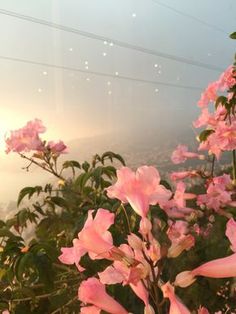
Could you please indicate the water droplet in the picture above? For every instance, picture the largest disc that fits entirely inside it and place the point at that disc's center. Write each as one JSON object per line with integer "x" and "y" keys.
{"x": 134, "y": 15}
{"x": 116, "y": 73}
{"x": 104, "y": 54}
{"x": 105, "y": 42}
{"x": 71, "y": 49}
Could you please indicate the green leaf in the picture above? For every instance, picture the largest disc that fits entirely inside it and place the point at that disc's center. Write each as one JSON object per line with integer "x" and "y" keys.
{"x": 4, "y": 232}
{"x": 111, "y": 156}
{"x": 233, "y": 35}
{"x": 59, "y": 201}
{"x": 85, "y": 166}
{"x": 204, "y": 135}
{"x": 29, "y": 190}
{"x": 221, "y": 100}
{"x": 71, "y": 164}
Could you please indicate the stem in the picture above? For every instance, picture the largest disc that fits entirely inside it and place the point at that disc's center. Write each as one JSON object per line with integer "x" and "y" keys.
{"x": 127, "y": 218}
{"x": 213, "y": 165}
{"x": 65, "y": 305}
{"x": 51, "y": 170}
{"x": 234, "y": 167}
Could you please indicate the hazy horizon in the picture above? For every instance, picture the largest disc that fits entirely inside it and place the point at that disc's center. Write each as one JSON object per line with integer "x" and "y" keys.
{"x": 83, "y": 88}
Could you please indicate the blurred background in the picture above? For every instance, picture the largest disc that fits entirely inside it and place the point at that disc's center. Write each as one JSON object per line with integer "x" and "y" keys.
{"x": 108, "y": 75}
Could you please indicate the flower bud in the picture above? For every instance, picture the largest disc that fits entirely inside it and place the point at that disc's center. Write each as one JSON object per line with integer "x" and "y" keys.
{"x": 135, "y": 242}
{"x": 184, "y": 279}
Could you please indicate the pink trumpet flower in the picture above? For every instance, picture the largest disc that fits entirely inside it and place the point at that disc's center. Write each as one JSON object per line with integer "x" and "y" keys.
{"x": 26, "y": 138}
{"x": 139, "y": 189}
{"x": 176, "y": 306}
{"x": 203, "y": 310}
{"x": 219, "y": 268}
{"x": 90, "y": 310}
{"x": 181, "y": 154}
{"x": 94, "y": 239}
{"x": 92, "y": 291}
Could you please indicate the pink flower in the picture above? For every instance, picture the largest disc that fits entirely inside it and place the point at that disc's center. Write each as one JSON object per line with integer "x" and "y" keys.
{"x": 57, "y": 148}
{"x": 90, "y": 310}
{"x": 202, "y": 310}
{"x": 217, "y": 195}
{"x": 231, "y": 233}
{"x": 26, "y": 138}
{"x": 180, "y": 239}
{"x": 180, "y": 196}
{"x": 205, "y": 119}
{"x": 218, "y": 268}
{"x": 183, "y": 175}
{"x": 94, "y": 238}
{"x": 176, "y": 207}
{"x": 140, "y": 189}
{"x": 226, "y": 135}
{"x": 181, "y": 154}
{"x": 227, "y": 79}
{"x": 72, "y": 255}
{"x": 92, "y": 291}
{"x": 209, "y": 95}
{"x": 176, "y": 306}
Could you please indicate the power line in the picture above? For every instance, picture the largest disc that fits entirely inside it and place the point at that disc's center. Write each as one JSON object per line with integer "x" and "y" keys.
{"x": 114, "y": 41}
{"x": 196, "y": 19}
{"x": 121, "y": 77}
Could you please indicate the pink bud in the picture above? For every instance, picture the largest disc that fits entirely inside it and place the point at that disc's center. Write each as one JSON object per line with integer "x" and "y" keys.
{"x": 93, "y": 291}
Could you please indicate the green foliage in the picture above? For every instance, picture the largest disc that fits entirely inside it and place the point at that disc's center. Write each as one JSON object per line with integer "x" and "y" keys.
{"x": 233, "y": 35}
{"x": 32, "y": 280}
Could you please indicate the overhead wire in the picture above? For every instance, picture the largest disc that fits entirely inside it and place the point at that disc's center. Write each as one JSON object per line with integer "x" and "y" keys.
{"x": 196, "y": 19}
{"x": 102, "y": 74}
{"x": 116, "y": 42}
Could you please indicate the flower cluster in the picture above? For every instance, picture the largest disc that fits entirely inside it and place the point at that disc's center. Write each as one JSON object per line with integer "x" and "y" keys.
{"x": 138, "y": 262}
{"x": 28, "y": 139}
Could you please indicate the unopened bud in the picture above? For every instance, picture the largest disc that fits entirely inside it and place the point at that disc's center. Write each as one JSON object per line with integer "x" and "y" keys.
{"x": 184, "y": 279}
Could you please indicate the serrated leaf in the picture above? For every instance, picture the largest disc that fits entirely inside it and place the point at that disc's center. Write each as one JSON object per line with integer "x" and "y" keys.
{"x": 29, "y": 190}
{"x": 110, "y": 155}
{"x": 59, "y": 201}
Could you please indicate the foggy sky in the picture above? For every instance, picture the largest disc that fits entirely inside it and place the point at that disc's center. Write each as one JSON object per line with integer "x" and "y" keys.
{"x": 75, "y": 105}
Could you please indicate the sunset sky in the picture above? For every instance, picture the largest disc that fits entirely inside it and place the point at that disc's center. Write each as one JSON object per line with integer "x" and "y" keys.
{"x": 76, "y": 104}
